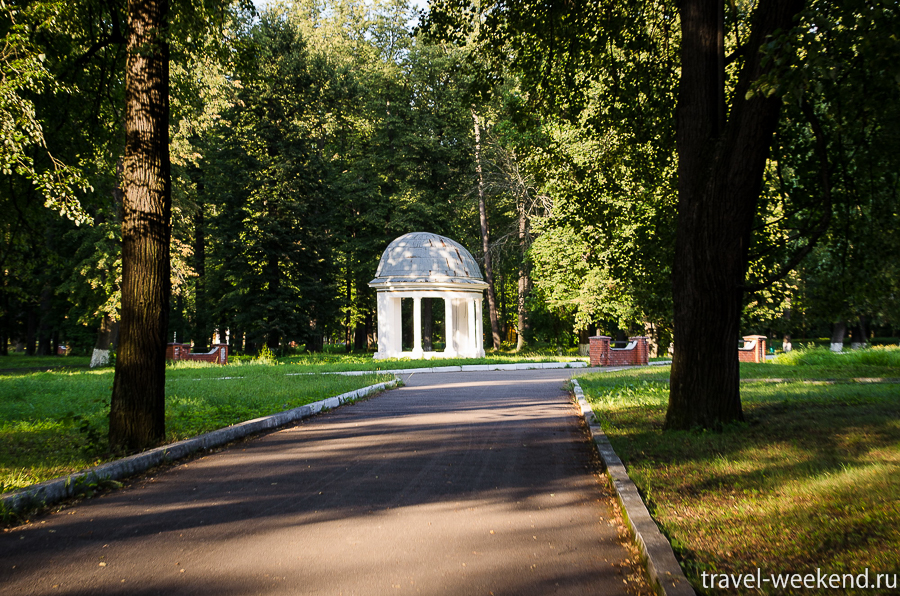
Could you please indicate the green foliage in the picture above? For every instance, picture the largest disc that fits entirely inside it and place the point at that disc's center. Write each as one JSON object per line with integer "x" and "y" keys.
{"x": 600, "y": 155}
{"x": 24, "y": 74}
{"x": 834, "y": 162}
{"x": 265, "y": 356}
{"x": 94, "y": 437}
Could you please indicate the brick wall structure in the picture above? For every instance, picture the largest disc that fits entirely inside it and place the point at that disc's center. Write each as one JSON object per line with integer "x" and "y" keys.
{"x": 218, "y": 354}
{"x": 754, "y": 349}
{"x": 636, "y": 354}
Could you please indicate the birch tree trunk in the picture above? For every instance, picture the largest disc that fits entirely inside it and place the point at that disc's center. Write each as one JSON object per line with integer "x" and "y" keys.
{"x": 524, "y": 278}
{"x": 485, "y": 239}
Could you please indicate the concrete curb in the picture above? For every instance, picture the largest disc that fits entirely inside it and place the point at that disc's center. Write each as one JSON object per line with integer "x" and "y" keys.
{"x": 665, "y": 573}
{"x": 55, "y": 490}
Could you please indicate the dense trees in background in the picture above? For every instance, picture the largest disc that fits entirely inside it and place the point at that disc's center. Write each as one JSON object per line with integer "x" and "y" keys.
{"x": 758, "y": 123}
{"x": 606, "y": 142}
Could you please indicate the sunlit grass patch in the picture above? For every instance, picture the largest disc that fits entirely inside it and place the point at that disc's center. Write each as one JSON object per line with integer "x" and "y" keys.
{"x": 810, "y": 480}
{"x": 55, "y": 423}
{"x": 875, "y": 356}
{"x": 196, "y": 405}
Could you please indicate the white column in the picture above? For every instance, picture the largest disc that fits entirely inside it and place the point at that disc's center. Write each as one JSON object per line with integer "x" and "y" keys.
{"x": 449, "y": 327}
{"x": 417, "y": 327}
{"x": 383, "y": 322}
{"x": 396, "y": 341}
{"x": 479, "y": 328}
{"x": 471, "y": 350}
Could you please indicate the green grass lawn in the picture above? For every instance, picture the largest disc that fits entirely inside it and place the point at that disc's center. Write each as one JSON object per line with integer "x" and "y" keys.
{"x": 810, "y": 480}
{"x": 19, "y": 360}
{"x": 54, "y": 423}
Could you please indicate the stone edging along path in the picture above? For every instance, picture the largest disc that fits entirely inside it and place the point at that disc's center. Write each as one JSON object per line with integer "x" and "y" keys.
{"x": 665, "y": 572}
{"x": 53, "y": 491}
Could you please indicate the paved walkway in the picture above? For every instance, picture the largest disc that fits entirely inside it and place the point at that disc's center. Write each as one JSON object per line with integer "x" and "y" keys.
{"x": 456, "y": 484}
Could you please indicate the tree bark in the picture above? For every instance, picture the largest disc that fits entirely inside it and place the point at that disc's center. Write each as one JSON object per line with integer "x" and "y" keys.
{"x": 720, "y": 168}
{"x": 524, "y": 285}
{"x": 858, "y": 334}
{"x": 201, "y": 332}
{"x": 137, "y": 410}
{"x": 106, "y": 339}
{"x": 348, "y": 340}
{"x": 838, "y": 331}
{"x": 485, "y": 240}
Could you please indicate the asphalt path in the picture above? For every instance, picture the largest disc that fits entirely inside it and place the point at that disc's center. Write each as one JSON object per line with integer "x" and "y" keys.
{"x": 455, "y": 484}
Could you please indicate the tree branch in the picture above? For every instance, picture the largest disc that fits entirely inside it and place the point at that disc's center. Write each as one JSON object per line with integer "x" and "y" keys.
{"x": 825, "y": 220}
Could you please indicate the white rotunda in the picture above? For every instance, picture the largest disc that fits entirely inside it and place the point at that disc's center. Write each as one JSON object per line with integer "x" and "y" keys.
{"x": 422, "y": 265}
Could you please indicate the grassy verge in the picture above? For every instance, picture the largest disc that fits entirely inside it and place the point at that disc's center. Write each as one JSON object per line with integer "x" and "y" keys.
{"x": 55, "y": 423}
{"x": 16, "y": 360}
{"x": 810, "y": 481}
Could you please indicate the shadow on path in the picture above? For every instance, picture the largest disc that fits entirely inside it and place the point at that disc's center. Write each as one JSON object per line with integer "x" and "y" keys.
{"x": 476, "y": 483}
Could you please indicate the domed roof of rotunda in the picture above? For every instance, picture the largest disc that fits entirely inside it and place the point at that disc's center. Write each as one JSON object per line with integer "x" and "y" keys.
{"x": 422, "y": 257}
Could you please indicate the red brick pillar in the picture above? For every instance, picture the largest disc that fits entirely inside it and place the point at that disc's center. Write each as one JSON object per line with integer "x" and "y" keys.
{"x": 759, "y": 353}
{"x": 176, "y": 351}
{"x": 641, "y": 350}
{"x": 221, "y": 353}
{"x": 599, "y": 350}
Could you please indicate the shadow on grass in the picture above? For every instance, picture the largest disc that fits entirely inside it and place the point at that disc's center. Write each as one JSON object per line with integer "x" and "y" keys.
{"x": 811, "y": 480}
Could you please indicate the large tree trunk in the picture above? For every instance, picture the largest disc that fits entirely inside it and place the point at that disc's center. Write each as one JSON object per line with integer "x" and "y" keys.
{"x": 720, "y": 167}
{"x": 137, "y": 411}
{"x": 485, "y": 240}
